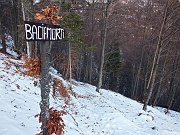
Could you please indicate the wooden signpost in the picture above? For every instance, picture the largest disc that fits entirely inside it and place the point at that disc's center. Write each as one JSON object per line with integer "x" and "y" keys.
{"x": 44, "y": 33}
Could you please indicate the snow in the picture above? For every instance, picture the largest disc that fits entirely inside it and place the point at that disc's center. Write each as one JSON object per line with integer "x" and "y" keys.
{"x": 89, "y": 113}
{"x": 9, "y": 45}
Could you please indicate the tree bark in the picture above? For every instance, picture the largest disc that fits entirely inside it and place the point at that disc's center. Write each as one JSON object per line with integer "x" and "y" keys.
{"x": 45, "y": 77}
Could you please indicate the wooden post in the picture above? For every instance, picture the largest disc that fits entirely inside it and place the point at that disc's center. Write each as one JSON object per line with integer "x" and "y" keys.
{"x": 45, "y": 77}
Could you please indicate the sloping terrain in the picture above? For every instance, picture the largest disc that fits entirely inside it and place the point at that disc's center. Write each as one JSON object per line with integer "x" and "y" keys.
{"x": 88, "y": 112}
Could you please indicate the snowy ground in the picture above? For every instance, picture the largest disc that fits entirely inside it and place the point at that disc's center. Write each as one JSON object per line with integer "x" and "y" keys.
{"x": 89, "y": 113}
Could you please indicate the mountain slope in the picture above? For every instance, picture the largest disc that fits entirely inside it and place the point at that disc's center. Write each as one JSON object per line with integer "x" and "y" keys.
{"x": 87, "y": 114}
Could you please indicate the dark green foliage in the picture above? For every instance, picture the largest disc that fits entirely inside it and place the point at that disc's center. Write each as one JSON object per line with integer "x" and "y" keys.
{"x": 113, "y": 63}
{"x": 66, "y": 7}
{"x": 74, "y": 27}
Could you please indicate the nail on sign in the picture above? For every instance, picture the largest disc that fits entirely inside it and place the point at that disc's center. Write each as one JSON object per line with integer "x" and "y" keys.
{"x": 43, "y": 32}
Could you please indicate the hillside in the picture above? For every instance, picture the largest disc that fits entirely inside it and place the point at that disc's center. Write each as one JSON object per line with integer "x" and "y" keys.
{"x": 89, "y": 113}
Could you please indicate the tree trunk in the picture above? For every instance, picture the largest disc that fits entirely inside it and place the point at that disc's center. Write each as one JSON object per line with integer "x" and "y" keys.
{"x": 145, "y": 81}
{"x": 172, "y": 90}
{"x": 24, "y": 19}
{"x": 157, "y": 54}
{"x": 2, "y": 37}
{"x": 102, "y": 54}
{"x": 160, "y": 83}
{"x": 107, "y": 11}
{"x": 92, "y": 42}
{"x": 45, "y": 77}
{"x": 27, "y": 10}
{"x": 70, "y": 66}
{"x": 136, "y": 87}
{"x": 17, "y": 25}
{"x": 68, "y": 74}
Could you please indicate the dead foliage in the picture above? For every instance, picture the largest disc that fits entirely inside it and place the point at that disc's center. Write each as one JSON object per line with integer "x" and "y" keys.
{"x": 49, "y": 13}
{"x": 59, "y": 88}
{"x": 32, "y": 65}
{"x": 55, "y": 124}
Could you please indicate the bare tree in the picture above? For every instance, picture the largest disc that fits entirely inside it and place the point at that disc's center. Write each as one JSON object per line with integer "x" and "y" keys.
{"x": 157, "y": 55}
{"x": 107, "y": 9}
{"x": 103, "y": 44}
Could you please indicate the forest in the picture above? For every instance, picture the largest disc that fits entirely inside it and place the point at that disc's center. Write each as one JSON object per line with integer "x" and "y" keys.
{"x": 131, "y": 47}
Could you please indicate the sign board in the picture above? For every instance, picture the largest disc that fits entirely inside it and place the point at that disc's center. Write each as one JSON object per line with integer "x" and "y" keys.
{"x": 43, "y": 32}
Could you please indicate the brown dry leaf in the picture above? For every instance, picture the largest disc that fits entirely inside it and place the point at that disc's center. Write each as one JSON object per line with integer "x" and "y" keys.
{"x": 55, "y": 9}
{"x": 37, "y": 115}
{"x": 47, "y": 11}
{"x": 35, "y": 83}
{"x": 53, "y": 21}
{"x": 39, "y": 16}
{"x": 58, "y": 132}
{"x": 39, "y": 134}
{"x": 13, "y": 90}
{"x": 58, "y": 17}
{"x": 17, "y": 85}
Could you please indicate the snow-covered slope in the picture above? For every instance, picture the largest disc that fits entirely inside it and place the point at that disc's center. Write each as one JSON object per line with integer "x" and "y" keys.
{"x": 89, "y": 113}
{"x": 19, "y": 99}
